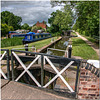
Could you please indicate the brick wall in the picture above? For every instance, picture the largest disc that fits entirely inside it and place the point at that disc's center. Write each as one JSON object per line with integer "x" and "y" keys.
{"x": 43, "y": 25}
{"x": 88, "y": 87}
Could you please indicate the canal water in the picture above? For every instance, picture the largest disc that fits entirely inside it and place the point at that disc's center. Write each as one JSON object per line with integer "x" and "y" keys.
{"x": 60, "y": 45}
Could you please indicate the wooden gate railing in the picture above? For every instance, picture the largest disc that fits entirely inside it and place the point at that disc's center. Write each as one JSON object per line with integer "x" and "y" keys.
{"x": 5, "y": 54}
{"x": 45, "y": 59}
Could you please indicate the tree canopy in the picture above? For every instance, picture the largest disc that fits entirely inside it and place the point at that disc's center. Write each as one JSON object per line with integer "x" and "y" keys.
{"x": 86, "y": 15}
{"x": 5, "y": 29}
{"x": 61, "y": 20}
{"x": 87, "y": 22}
{"x": 25, "y": 26}
{"x": 11, "y": 20}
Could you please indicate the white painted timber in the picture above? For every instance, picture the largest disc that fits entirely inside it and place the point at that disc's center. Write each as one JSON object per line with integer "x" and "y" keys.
{"x": 2, "y": 56}
{"x": 94, "y": 62}
{"x": 26, "y": 69}
{"x": 1, "y": 72}
{"x": 59, "y": 74}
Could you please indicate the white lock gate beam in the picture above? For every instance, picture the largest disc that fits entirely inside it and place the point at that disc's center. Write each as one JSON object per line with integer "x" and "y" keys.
{"x": 2, "y": 56}
{"x": 59, "y": 74}
{"x": 1, "y": 72}
{"x": 26, "y": 69}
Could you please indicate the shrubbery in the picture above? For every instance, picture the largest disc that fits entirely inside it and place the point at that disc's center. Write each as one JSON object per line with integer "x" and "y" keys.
{"x": 5, "y": 29}
{"x": 11, "y": 42}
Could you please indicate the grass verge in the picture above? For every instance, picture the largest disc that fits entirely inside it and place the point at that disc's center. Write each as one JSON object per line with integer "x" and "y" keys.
{"x": 82, "y": 49}
{"x": 37, "y": 44}
{"x": 11, "y": 42}
{"x": 73, "y": 33}
{"x": 91, "y": 39}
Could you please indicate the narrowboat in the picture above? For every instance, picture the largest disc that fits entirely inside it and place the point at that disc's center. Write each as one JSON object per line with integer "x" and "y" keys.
{"x": 15, "y": 34}
{"x": 31, "y": 37}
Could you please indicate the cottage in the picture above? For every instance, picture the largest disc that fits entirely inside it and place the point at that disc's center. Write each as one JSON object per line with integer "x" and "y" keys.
{"x": 43, "y": 25}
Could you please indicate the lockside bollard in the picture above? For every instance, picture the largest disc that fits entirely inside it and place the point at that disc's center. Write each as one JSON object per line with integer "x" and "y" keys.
{"x": 69, "y": 51}
{"x": 77, "y": 78}
{"x": 26, "y": 48}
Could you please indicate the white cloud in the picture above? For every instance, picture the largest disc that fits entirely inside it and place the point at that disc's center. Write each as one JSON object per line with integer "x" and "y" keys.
{"x": 30, "y": 11}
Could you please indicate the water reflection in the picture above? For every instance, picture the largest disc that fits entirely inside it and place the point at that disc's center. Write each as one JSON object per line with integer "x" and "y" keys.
{"x": 66, "y": 43}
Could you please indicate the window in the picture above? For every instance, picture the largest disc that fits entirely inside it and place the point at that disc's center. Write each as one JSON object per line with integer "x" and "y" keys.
{"x": 28, "y": 37}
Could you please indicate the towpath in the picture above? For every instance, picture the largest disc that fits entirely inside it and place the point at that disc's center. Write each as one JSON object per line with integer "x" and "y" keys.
{"x": 89, "y": 43}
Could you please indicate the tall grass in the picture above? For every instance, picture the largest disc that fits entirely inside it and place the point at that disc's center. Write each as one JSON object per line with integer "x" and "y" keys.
{"x": 11, "y": 42}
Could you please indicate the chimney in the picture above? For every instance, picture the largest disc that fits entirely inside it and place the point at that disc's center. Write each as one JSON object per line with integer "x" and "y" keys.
{"x": 43, "y": 22}
{"x": 37, "y": 22}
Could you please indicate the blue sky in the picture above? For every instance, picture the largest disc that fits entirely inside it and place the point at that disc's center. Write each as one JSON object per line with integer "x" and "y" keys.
{"x": 30, "y": 11}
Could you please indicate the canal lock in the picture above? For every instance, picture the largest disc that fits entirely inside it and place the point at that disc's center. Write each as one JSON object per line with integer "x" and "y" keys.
{"x": 48, "y": 75}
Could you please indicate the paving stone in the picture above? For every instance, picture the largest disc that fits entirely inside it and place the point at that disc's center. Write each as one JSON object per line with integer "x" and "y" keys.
{"x": 3, "y": 82}
{"x": 15, "y": 90}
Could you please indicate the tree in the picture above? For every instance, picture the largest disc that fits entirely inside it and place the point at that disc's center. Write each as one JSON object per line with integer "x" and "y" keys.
{"x": 11, "y": 20}
{"x": 25, "y": 26}
{"x": 5, "y": 17}
{"x": 5, "y": 29}
{"x": 88, "y": 18}
{"x": 61, "y": 20}
{"x": 86, "y": 13}
{"x": 18, "y": 21}
{"x": 29, "y": 28}
{"x": 35, "y": 28}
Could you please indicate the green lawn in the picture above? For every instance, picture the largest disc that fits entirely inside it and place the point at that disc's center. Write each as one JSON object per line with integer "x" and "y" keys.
{"x": 80, "y": 48}
{"x": 37, "y": 44}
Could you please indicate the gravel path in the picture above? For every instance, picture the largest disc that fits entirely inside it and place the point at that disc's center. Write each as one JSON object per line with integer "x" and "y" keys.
{"x": 89, "y": 43}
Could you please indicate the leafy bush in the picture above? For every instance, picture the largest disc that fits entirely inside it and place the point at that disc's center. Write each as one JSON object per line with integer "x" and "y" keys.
{"x": 35, "y": 28}
{"x": 5, "y": 29}
{"x": 11, "y": 42}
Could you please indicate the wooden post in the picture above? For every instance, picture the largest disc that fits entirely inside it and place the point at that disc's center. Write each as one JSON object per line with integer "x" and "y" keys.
{"x": 12, "y": 66}
{"x": 8, "y": 65}
{"x": 42, "y": 70}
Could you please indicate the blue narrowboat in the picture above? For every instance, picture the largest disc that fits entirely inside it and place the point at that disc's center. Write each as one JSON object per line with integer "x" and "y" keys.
{"x": 18, "y": 35}
{"x": 31, "y": 37}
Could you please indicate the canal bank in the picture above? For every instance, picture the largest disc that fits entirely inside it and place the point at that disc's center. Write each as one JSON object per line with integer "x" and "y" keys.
{"x": 43, "y": 49}
{"x": 57, "y": 48}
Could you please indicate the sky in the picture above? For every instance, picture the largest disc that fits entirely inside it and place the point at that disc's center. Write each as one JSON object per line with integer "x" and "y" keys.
{"x": 30, "y": 11}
